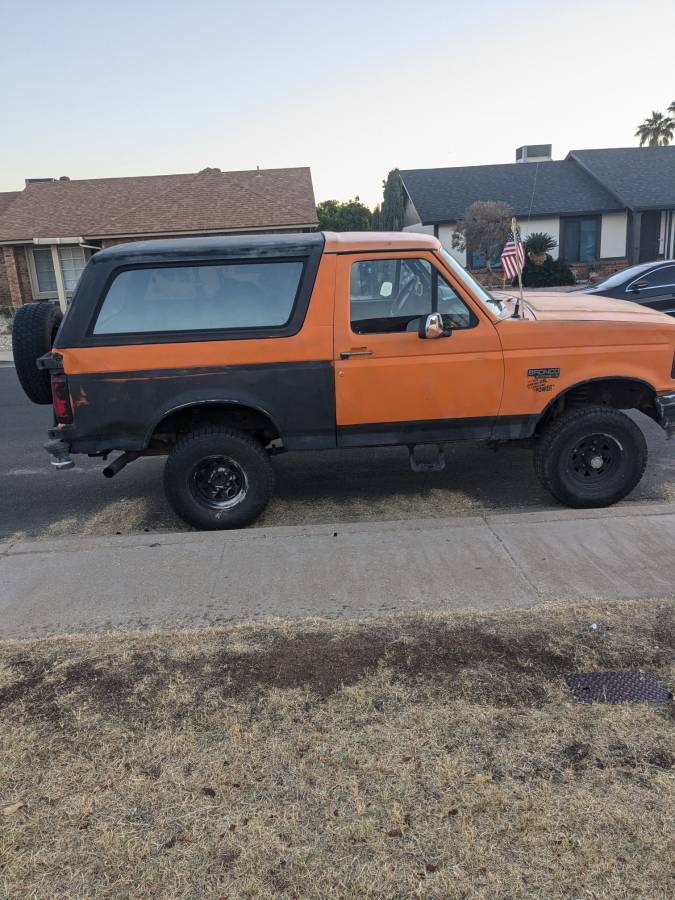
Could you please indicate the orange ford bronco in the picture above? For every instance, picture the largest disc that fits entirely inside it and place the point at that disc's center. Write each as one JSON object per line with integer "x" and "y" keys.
{"x": 219, "y": 351}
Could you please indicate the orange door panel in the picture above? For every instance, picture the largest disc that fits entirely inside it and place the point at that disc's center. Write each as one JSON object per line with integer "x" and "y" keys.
{"x": 404, "y": 389}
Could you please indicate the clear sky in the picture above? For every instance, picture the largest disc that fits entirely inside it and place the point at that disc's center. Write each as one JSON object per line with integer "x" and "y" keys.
{"x": 352, "y": 89}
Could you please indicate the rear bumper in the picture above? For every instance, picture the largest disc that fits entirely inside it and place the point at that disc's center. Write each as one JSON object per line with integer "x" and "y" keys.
{"x": 665, "y": 409}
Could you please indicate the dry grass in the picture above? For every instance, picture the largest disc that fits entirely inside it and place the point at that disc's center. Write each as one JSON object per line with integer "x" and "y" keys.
{"x": 437, "y": 756}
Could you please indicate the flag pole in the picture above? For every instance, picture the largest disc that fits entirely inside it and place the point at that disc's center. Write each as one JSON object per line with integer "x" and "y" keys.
{"x": 516, "y": 242}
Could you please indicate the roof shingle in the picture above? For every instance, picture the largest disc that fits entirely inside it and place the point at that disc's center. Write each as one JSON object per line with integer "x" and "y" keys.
{"x": 161, "y": 204}
{"x": 557, "y": 187}
{"x": 641, "y": 177}
{"x": 6, "y": 198}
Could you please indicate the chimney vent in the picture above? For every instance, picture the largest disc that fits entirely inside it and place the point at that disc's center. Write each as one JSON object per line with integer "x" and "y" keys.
{"x": 37, "y": 180}
{"x": 534, "y": 153}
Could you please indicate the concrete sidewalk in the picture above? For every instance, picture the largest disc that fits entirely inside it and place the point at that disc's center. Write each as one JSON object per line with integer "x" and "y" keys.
{"x": 6, "y": 358}
{"x": 194, "y": 579}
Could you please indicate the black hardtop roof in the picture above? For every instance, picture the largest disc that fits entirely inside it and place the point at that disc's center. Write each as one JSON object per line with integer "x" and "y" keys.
{"x": 221, "y": 246}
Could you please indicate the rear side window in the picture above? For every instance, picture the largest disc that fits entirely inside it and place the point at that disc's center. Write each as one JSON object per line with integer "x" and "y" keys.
{"x": 200, "y": 298}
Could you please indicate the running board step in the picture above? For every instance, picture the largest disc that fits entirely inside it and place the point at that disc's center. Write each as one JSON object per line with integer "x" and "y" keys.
{"x": 427, "y": 458}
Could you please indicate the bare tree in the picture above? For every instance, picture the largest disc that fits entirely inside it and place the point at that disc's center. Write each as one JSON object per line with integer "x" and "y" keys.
{"x": 484, "y": 229}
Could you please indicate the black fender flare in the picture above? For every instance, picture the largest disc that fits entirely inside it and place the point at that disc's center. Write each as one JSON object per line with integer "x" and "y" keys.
{"x": 190, "y": 404}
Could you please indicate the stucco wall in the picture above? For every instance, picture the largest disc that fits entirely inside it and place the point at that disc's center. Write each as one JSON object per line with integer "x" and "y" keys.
{"x": 613, "y": 235}
{"x": 549, "y": 225}
{"x": 444, "y": 236}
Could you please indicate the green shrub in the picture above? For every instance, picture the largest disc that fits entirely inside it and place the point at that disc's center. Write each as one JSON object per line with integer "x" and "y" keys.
{"x": 540, "y": 242}
{"x": 552, "y": 273}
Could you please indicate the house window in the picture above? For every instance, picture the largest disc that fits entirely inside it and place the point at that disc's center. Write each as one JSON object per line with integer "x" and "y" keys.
{"x": 580, "y": 239}
{"x": 71, "y": 261}
{"x": 45, "y": 276}
{"x": 477, "y": 260}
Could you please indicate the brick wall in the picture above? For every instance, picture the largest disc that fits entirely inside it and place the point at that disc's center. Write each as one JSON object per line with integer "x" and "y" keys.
{"x": 24, "y": 277}
{"x": 583, "y": 271}
{"x": 5, "y": 296}
{"x": 14, "y": 267}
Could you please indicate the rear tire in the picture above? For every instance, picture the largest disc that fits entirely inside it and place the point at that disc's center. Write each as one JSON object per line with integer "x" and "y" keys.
{"x": 218, "y": 478}
{"x": 590, "y": 456}
{"x": 33, "y": 332}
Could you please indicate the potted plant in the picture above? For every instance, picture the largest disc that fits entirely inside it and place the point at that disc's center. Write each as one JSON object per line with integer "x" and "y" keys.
{"x": 538, "y": 246}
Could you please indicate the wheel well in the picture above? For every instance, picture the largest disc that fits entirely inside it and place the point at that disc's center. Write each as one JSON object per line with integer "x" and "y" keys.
{"x": 181, "y": 421}
{"x": 619, "y": 393}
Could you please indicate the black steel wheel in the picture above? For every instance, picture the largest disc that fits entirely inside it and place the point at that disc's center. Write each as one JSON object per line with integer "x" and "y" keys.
{"x": 218, "y": 478}
{"x": 591, "y": 456}
{"x": 219, "y": 482}
{"x": 594, "y": 459}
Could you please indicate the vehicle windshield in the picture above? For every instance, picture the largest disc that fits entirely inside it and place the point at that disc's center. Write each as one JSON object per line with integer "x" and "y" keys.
{"x": 496, "y": 307}
{"x": 618, "y": 278}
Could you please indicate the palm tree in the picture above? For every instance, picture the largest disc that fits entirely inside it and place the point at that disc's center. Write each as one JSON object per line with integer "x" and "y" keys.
{"x": 671, "y": 108}
{"x": 656, "y": 131}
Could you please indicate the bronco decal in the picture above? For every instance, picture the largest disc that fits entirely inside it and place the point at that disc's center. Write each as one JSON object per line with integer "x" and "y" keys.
{"x": 539, "y": 379}
{"x": 543, "y": 373}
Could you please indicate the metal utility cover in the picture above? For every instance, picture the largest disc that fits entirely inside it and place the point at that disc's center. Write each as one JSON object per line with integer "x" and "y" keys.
{"x": 617, "y": 687}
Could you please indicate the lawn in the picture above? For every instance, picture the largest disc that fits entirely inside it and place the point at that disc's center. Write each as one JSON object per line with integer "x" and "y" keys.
{"x": 434, "y": 756}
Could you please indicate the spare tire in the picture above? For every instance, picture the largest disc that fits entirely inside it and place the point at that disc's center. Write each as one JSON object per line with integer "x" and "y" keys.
{"x": 33, "y": 332}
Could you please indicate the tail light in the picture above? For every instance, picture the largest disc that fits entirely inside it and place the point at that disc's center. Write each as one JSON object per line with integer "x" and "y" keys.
{"x": 61, "y": 399}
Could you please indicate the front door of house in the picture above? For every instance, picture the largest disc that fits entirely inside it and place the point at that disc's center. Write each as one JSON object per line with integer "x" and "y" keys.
{"x": 650, "y": 225}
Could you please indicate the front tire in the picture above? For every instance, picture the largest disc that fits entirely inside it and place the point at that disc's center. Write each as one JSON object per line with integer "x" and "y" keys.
{"x": 218, "y": 478}
{"x": 590, "y": 456}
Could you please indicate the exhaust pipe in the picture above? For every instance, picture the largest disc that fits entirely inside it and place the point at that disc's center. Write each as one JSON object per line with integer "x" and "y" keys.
{"x": 118, "y": 464}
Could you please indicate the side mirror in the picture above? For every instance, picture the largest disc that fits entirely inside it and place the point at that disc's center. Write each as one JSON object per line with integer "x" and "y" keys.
{"x": 435, "y": 325}
{"x": 639, "y": 285}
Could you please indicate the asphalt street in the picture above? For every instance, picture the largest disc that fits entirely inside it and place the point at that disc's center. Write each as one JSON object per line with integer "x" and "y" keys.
{"x": 312, "y": 488}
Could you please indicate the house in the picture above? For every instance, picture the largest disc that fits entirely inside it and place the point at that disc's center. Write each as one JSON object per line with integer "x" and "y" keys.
{"x": 605, "y": 208}
{"x": 50, "y": 228}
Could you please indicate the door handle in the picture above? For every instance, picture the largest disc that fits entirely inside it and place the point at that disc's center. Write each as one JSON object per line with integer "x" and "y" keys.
{"x": 347, "y": 354}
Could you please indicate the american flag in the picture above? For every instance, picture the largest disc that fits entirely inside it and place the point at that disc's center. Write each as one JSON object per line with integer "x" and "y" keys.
{"x": 513, "y": 255}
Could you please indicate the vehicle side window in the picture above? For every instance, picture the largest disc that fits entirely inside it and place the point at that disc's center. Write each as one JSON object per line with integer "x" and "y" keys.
{"x": 660, "y": 277}
{"x": 200, "y": 298}
{"x": 392, "y": 295}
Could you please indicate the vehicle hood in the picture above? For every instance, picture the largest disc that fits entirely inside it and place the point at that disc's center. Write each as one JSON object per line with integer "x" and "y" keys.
{"x": 580, "y": 307}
